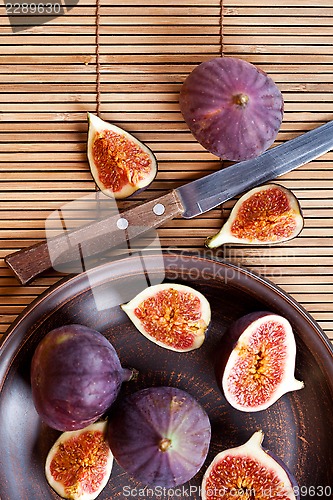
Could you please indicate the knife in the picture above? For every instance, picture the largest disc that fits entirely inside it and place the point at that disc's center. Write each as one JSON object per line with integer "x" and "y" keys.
{"x": 189, "y": 200}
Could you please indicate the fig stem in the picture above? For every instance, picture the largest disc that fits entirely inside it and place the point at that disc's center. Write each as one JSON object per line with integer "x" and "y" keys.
{"x": 216, "y": 240}
{"x": 240, "y": 99}
{"x": 297, "y": 384}
{"x": 164, "y": 444}
{"x": 256, "y": 439}
{"x": 129, "y": 374}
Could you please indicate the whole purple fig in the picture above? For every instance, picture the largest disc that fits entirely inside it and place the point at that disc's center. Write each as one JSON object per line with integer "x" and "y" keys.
{"x": 75, "y": 376}
{"x": 232, "y": 108}
{"x": 160, "y": 436}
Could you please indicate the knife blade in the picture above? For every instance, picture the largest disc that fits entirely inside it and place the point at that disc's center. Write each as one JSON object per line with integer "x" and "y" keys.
{"x": 202, "y": 195}
{"x": 190, "y": 200}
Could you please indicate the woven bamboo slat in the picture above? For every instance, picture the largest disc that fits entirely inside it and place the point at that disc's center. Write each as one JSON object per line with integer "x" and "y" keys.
{"x": 147, "y": 48}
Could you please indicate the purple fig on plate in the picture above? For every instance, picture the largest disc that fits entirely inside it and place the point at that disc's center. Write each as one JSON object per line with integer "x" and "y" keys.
{"x": 246, "y": 472}
{"x": 264, "y": 215}
{"x": 256, "y": 364}
{"x": 79, "y": 464}
{"x": 171, "y": 315}
{"x": 160, "y": 436}
{"x": 75, "y": 376}
{"x": 232, "y": 108}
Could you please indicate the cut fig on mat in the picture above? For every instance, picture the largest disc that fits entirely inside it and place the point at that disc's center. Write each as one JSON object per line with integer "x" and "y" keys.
{"x": 265, "y": 215}
{"x": 248, "y": 472}
{"x": 160, "y": 436}
{"x": 256, "y": 364}
{"x": 79, "y": 464}
{"x": 120, "y": 164}
{"x": 232, "y": 108}
{"x": 171, "y": 315}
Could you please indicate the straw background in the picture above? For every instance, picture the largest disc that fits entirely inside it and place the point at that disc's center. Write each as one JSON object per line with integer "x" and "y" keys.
{"x": 48, "y": 77}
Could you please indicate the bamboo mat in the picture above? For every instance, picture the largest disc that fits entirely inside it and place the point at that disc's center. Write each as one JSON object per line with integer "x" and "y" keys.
{"x": 48, "y": 77}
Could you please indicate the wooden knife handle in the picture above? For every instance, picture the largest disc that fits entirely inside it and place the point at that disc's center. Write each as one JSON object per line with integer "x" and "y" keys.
{"x": 103, "y": 234}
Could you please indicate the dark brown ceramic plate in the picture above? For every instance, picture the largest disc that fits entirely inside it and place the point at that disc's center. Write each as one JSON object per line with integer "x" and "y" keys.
{"x": 298, "y": 428}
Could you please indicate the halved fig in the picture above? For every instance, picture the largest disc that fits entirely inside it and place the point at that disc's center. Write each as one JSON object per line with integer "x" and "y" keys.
{"x": 257, "y": 361}
{"x": 79, "y": 464}
{"x": 171, "y": 315}
{"x": 265, "y": 215}
{"x": 232, "y": 108}
{"x": 120, "y": 164}
{"x": 160, "y": 436}
{"x": 248, "y": 471}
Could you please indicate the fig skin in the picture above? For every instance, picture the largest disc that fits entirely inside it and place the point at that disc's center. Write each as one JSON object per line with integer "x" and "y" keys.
{"x": 271, "y": 477}
{"x": 160, "y": 436}
{"x": 232, "y": 108}
{"x": 169, "y": 338}
{"x": 75, "y": 376}
{"x": 275, "y": 224}
{"x": 131, "y": 185}
{"x": 233, "y": 349}
{"x": 70, "y": 469}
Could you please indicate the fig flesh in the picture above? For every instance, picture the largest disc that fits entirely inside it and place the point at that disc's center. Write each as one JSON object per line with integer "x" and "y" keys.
{"x": 171, "y": 315}
{"x": 265, "y": 215}
{"x": 79, "y": 464}
{"x": 256, "y": 364}
{"x": 246, "y": 472}
{"x": 160, "y": 436}
{"x": 232, "y": 108}
{"x": 75, "y": 376}
{"x": 120, "y": 164}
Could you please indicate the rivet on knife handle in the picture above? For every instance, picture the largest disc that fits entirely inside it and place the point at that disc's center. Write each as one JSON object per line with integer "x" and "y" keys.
{"x": 102, "y": 235}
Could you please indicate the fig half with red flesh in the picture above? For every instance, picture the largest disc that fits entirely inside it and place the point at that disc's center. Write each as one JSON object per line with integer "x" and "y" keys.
{"x": 160, "y": 436}
{"x": 79, "y": 464}
{"x": 120, "y": 164}
{"x": 171, "y": 315}
{"x": 248, "y": 472}
{"x": 232, "y": 108}
{"x": 265, "y": 215}
{"x": 256, "y": 364}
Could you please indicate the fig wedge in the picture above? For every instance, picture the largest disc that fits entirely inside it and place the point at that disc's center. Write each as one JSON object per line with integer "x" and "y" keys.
{"x": 265, "y": 215}
{"x": 249, "y": 471}
{"x": 256, "y": 364}
{"x": 79, "y": 464}
{"x": 120, "y": 164}
{"x": 171, "y": 315}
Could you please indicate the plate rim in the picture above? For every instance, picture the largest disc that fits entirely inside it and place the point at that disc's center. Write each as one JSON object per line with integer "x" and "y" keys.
{"x": 80, "y": 279}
